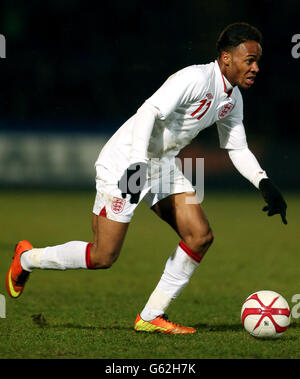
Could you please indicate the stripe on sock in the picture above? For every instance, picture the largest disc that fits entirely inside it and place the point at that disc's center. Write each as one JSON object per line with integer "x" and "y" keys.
{"x": 87, "y": 256}
{"x": 196, "y": 257}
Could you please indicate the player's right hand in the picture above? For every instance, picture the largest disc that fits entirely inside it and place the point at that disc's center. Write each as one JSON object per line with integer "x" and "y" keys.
{"x": 275, "y": 201}
{"x": 133, "y": 180}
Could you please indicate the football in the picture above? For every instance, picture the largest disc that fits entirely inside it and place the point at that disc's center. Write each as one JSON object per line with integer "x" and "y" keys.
{"x": 265, "y": 314}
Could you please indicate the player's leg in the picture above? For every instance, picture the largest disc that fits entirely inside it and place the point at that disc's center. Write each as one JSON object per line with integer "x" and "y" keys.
{"x": 108, "y": 239}
{"x": 109, "y": 236}
{"x": 184, "y": 213}
{"x": 188, "y": 219}
{"x": 111, "y": 217}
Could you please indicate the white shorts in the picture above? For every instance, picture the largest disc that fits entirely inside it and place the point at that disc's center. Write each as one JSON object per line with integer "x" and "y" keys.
{"x": 109, "y": 202}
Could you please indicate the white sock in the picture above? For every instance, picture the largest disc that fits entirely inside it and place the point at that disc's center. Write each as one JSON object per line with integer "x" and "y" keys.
{"x": 71, "y": 255}
{"x": 178, "y": 270}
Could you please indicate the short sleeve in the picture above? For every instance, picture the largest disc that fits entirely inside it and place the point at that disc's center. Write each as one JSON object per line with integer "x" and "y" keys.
{"x": 231, "y": 129}
{"x": 179, "y": 89}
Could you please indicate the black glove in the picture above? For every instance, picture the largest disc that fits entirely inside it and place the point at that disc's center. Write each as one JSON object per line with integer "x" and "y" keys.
{"x": 274, "y": 199}
{"x": 133, "y": 180}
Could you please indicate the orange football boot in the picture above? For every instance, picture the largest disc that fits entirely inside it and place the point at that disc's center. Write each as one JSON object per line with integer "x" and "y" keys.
{"x": 16, "y": 277}
{"x": 161, "y": 324}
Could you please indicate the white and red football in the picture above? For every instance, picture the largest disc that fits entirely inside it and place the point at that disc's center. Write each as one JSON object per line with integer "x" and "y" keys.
{"x": 266, "y": 314}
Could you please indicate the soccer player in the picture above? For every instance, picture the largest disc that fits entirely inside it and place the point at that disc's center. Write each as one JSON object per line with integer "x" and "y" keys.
{"x": 140, "y": 157}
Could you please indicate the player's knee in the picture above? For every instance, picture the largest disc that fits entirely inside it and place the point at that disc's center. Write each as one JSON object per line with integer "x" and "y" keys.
{"x": 209, "y": 238}
{"x": 200, "y": 241}
{"x": 103, "y": 259}
{"x": 102, "y": 264}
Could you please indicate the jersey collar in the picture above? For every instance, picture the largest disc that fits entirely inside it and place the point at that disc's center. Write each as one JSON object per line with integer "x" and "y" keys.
{"x": 227, "y": 87}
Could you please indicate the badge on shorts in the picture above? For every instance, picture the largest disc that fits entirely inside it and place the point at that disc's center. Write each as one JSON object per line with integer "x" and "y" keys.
{"x": 117, "y": 205}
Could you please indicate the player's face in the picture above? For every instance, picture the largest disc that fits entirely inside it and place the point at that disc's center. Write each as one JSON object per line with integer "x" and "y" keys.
{"x": 242, "y": 64}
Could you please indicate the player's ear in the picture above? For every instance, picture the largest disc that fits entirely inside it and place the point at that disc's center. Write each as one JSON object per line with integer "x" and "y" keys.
{"x": 226, "y": 57}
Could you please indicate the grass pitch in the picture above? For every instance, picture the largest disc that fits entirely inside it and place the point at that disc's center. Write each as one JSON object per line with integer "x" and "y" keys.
{"x": 90, "y": 314}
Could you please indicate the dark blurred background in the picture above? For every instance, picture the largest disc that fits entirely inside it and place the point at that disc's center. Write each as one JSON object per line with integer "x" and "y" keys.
{"x": 76, "y": 70}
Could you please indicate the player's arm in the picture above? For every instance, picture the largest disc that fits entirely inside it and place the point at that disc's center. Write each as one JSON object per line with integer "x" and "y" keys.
{"x": 134, "y": 177}
{"x": 248, "y": 166}
{"x": 232, "y": 137}
{"x": 142, "y": 130}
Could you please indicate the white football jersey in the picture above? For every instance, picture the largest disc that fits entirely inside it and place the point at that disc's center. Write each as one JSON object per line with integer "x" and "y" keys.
{"x": 189, "y": 101}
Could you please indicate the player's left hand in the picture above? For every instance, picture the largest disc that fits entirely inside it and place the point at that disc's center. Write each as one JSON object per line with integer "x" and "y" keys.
{"x": 274, "y": 199}
{"x": 133, "y": 180}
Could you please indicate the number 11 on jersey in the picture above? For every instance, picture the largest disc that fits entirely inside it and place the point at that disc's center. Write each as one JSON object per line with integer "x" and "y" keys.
{"x": 202, "y": 102}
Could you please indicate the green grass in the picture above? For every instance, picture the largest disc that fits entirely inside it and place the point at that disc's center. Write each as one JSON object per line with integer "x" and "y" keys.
{"x": 90, "y": 314}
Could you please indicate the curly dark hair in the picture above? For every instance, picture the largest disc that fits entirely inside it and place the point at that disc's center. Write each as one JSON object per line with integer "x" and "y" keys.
{"x": 237, "y": 33}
